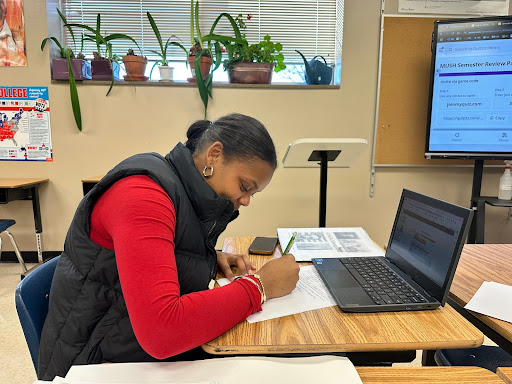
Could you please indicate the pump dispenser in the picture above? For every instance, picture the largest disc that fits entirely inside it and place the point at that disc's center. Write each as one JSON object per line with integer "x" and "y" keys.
{"x": 505, "y": 191}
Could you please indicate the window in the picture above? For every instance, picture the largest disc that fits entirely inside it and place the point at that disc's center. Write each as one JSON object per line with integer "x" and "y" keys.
{"x": 313, "y": 27}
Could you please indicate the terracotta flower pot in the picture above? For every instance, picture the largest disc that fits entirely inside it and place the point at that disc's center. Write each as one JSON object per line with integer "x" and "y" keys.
{"x": 251, "y": 73}
{"x": 206, "y": 63}
{"x": 81, "y": 69}
{"x": 135, "y": 67}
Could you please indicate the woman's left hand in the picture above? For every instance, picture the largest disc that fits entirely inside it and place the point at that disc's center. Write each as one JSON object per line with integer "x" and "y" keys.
{"x": 226, "y": 260}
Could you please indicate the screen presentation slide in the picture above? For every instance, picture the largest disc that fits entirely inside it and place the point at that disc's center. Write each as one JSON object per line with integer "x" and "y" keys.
{"x": 472, "y": 88}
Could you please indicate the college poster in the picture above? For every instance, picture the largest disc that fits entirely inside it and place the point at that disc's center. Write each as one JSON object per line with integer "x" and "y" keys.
{"x": 12, "y": 34}
{"x": 25, "y": 124}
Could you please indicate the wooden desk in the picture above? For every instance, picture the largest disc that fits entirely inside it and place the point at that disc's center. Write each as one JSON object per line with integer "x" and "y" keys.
{"x": 25, "y": 189}
{"x": 426, "y": 375}
{"x": 90, "y": 182}
{"x": 331, "y": 330}
{"x": 479, "y": 263}
{"x": 505, "y": 374}
{"x": 163, "y": 372}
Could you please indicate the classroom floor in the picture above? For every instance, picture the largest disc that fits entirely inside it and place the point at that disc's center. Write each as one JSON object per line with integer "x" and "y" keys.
{"x": 15, "y": 362}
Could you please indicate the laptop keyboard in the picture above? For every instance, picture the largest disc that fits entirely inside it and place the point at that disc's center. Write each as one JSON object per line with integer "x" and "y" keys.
{"x": 381, "y": 283}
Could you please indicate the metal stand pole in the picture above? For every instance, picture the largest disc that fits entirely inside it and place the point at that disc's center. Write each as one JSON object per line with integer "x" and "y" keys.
{"x": 475, "y": 194}
{"x": 323, "y": 188}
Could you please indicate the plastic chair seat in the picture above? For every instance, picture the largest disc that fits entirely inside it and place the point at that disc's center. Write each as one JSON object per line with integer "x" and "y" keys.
{"x": 32, "y": 298}
{"x": 6, "y": 223}
{"x": 487, "y": 357}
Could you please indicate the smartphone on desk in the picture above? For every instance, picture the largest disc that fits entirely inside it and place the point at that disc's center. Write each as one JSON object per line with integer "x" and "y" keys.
{"x": 263, "y": 245}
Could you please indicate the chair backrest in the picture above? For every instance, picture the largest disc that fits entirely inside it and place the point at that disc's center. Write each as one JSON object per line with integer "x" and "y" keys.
{"x": 32, "y": 296}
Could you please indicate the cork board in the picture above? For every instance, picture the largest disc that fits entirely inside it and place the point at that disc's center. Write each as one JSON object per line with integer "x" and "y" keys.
{"x": 403, "y": 94}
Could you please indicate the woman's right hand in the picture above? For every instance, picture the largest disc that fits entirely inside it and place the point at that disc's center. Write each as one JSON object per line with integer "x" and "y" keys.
{"x": 279, "y": 276}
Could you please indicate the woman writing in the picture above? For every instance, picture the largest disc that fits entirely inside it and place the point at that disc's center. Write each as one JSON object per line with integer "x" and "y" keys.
{"x": 132, "y": 282}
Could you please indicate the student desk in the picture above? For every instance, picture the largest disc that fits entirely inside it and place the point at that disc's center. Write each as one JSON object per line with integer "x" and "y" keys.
{"x": 331, "y": 330}
{"x": 90, "y": 182}
{"x": 427, "y": 375}
{"x": 479, "y": 263}
{"x": 505, "y": 374}
{"x": 162, "y": 372}
{"x": 12, "y": 189}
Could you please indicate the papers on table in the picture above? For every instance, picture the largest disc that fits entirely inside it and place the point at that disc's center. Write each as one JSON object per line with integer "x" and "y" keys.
{"x": 309, "y": 294}
{"x": 311, "y": 243}
{"x": 228, "y": 370}
{"x": 493, "y": 299}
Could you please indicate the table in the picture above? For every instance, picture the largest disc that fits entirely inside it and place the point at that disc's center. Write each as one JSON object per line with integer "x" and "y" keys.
{"x": 427, "y": 375}
{"x": 476, "y": 233}
{"x": 219, "y": 371}
{"x": 505, "y": 374}
{"x": 331, "y": 330}
{"x": 479, "y": 263}
{"x": 12, "y": 189}
{"x": 90, "y": 182}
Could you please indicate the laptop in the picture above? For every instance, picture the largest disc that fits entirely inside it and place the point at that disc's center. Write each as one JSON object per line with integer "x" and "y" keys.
{"x": 417, "y": 270}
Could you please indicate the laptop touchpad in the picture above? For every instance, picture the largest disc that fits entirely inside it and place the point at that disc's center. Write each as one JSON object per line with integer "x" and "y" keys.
{"x": 340, "y": 279}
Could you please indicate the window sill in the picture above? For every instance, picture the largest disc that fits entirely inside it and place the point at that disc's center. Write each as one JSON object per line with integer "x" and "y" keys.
{"x": 180, "y": 83}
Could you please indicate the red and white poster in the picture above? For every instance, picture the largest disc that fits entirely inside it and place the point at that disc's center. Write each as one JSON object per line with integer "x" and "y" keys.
{"x": 12, "y": 34}
{"x": 25, "y": 124}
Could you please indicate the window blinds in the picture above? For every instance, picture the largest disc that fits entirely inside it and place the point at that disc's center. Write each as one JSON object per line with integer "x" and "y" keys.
{"x": 313, "y": 27}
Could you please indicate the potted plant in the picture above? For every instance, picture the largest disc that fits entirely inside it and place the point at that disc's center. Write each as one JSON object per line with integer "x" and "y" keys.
{"x": 135, "y": 66}
{"x": 206, "y": 50}
{"x": 81, "y": 67}
{"x": 105, "y": 65}
{"x": 163, "y": 67}
{"x": 74, "y": 67}
{"x": 254, "y": 63}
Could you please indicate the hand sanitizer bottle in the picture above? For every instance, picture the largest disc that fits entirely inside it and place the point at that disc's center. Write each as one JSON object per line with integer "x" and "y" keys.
{"x": 505, "y": 191}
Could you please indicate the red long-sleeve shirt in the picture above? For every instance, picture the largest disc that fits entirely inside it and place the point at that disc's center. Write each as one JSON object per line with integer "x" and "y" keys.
{"x": 136, "y": 218}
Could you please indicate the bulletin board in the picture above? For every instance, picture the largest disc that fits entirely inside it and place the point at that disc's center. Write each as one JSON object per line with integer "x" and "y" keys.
{"x": 403, "y": 94}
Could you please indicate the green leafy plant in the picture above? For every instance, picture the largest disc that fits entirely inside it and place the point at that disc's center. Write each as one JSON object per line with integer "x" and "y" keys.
{"x": 208, "y": 46}
{"x": 67, "y": 53}
{"x": 265, "y": 51}
{"x": 162, "y": 53}
{"x": 104, "y": 49}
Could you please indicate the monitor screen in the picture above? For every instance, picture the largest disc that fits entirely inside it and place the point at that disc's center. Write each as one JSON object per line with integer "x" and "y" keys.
{"x": 470, "y": 101}
{"x": 426, "y": 241}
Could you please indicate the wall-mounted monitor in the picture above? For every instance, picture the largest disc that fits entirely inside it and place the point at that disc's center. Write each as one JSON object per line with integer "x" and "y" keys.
{"x": 470, "y": 100}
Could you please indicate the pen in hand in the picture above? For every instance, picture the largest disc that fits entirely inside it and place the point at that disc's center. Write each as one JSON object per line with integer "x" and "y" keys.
{"x": 290, "y": 243}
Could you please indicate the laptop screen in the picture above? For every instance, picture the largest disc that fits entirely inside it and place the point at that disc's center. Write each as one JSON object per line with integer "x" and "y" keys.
{"x": 426, "y": 241}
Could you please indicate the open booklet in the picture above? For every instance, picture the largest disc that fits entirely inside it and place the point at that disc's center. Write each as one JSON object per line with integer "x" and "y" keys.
{"x": 311, "y": 243}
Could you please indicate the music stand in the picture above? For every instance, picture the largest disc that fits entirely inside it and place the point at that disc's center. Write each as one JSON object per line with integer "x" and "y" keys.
{"x": 309, "y": 153}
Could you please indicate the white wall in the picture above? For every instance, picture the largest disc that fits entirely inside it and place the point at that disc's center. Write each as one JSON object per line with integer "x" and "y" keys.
{"x": 141, "y": 119}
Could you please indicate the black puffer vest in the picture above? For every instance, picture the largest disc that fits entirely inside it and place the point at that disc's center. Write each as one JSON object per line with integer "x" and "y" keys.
{"x": 87, "y": 320}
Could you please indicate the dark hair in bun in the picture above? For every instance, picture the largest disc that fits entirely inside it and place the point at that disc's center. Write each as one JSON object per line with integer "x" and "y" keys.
{"x": 242, "y": 137}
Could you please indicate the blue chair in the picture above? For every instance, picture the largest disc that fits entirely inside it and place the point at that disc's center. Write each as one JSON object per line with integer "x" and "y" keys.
{"x": 487, "y": 357}
{"x": 32, "y": 296}
{"x": 4, "y": 224}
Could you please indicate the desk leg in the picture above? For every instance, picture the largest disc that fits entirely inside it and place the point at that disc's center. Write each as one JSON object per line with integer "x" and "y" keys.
{"x": 37, "y": 222}
{"x": 427, "y": 358}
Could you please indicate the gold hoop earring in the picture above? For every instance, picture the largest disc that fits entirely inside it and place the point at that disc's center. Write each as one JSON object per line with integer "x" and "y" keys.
{"x": 204, "y": 171}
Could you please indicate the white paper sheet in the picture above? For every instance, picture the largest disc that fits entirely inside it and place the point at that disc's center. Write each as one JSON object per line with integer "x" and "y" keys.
{"x": 492, "y": 299}
{"x": 61, "y": 380}
{"x": 311, "y": 243}
{"x": 455, "y": 7}
{"x": 228, "y": 370}
{"x": 309, "y": 294}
